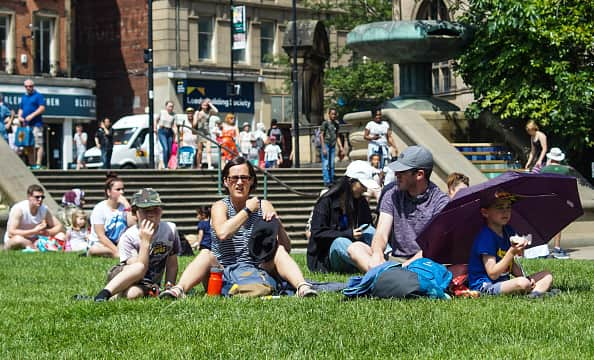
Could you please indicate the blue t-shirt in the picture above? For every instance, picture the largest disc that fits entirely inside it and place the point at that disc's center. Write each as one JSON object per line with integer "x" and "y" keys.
{"x": 30, "y": 103}
{"x": 206, "y": 242}
{"x": 487, "y": 242}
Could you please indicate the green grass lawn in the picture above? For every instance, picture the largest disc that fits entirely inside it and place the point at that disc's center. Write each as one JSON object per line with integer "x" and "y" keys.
{"x": 39, "y": 320}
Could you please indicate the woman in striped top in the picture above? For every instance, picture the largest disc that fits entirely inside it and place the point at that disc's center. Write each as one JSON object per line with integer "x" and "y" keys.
{"x": 232, "y": 221}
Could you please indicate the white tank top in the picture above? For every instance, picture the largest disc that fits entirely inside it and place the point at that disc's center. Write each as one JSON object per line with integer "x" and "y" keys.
{"x": 28, "y": 221}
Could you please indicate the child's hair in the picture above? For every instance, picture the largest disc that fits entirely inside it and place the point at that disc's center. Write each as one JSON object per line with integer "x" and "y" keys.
{"x": 532, "y": 125}
{"x": 203, "y": 210}
{"x": 374, "y": 155}
{"x": 76, "y": 214}
{"x": 111, "y": 178}
{"x": 454, "y": 179}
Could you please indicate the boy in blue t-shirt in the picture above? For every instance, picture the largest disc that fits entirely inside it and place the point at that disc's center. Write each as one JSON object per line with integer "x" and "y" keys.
{"x": 203, "y": 214}
{"x": 492, "y": 257}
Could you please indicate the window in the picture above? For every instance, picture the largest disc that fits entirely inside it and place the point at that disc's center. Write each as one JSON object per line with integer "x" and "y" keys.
{"x": 436, "y": 87}
{"x": 4, "y": 29}
{"x": 205, "y": 36}
{"x": 282, "y": 108}
{"x": 267, "y": 42}
{"x": 239, "y": 55}
{"x": 446, "y": 74}
{"x": 44, "y": 33}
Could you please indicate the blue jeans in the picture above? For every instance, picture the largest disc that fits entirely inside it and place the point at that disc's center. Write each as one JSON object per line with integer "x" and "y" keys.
{"x": 340, "y": 260}
{"x": 106, "y": 157}
{"x": 166, "y": 140}
{"x": 328, "y": 164}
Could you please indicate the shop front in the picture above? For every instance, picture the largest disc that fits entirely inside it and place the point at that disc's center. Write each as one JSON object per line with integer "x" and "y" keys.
{"x": 66, "y": 105}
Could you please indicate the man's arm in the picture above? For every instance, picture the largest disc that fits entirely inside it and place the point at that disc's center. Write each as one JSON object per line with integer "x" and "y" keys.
{"x": 40, "y": 110}
{"x": 53, "y": 224}
{"x": 171, "y": 269}
{"x": 380, "y": 239}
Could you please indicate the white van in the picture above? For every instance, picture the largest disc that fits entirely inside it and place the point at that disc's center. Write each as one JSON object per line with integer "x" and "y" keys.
{"x": 130, "y": 145}
{"x": 129, "y": 134}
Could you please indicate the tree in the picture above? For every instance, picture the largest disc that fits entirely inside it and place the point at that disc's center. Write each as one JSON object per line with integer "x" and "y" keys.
{"x": 534, "y": 60}
{"x": 361, "y": 84}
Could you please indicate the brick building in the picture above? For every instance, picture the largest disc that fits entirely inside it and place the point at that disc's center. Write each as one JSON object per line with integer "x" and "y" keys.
{"x": 35, "y": 42}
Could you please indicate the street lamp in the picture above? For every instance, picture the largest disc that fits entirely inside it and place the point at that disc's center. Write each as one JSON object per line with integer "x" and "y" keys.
{"x": 148, "y": 58}
{"x": 296, "y": 162}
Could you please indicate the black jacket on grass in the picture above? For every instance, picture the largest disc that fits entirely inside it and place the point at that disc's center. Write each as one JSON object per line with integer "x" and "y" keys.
{"x": 325, "y": 224}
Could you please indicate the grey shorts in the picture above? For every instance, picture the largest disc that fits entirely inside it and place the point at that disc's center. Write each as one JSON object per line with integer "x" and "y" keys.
{"x": 38, "y": 136}
{"x": 491, "y": 288}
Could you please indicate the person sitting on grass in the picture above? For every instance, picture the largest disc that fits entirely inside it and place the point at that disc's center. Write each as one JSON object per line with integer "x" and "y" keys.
{"x": 109, "y": 219}
{"x": 29, "y": 219}
{"x": 233, "y": 219}
{"x": 457, "y": 181}
{"x": 146, "y": 252}
{"x": 491, "y": 260}
{"x": 340, "y": 218}
{"x": 203, "y": 241}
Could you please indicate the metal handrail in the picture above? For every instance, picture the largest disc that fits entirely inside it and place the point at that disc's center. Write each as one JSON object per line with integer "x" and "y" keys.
{"x": 265, "y": 172}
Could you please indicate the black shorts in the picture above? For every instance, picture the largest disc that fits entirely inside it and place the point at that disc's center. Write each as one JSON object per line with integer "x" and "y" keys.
{"x": 148, "y": 287}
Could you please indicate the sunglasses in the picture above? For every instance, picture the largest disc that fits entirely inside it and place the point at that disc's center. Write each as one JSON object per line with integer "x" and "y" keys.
{"x": 39, "y": 197}
{"x": 236, "y": 178}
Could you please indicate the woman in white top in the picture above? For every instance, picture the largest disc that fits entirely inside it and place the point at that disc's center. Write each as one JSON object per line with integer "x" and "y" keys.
{"x": 109, "y": 219}
{"x": 165, "y": 129}
{"x": 203, "y": 120}
{"x": 245, "y": 140}
{"x": 379, "y": 135}
{"x": 80, "y": 142}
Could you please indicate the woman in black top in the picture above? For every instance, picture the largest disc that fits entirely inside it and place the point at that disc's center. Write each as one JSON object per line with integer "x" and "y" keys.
{"x": 104, "y": 141}
{"x": 341, "y": 216}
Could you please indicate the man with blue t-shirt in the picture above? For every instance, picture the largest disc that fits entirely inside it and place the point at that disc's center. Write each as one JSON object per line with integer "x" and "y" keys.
{"x": 30, "y": 114}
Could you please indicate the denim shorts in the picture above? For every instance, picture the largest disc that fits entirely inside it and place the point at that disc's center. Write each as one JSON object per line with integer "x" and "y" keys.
{"x": 489, "y": 288}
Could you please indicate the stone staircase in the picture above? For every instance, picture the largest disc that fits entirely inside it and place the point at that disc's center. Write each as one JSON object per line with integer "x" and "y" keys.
{"x": 491, "y": 159}
{"x": 182, "y": 191}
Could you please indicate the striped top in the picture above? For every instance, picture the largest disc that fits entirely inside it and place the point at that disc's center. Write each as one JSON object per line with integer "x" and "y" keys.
{"x": 235, "y": 250}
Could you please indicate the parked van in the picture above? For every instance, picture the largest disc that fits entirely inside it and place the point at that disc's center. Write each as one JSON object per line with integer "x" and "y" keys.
{"x": 130, "y": 145}
{"x": 129, "y": 134}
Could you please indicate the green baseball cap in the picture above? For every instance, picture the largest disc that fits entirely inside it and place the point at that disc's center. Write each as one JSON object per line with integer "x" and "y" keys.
{"x": 146, "y": 198}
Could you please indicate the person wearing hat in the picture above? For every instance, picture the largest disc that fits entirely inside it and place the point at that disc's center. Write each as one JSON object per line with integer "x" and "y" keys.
{"x": 491, "y": 260}
{"x": 273, "y": 155}
{"x": 555, "y": 156}
{"x": 341, "y": 217}
{"x": 405, "y": 209}
{"x": 244, "y": 139}
{"x": 147, "y": 250}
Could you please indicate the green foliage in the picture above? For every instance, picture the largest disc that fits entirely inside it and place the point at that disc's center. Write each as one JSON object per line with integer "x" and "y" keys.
{"x": 534, "y": 59}
{"x": 41, "y": 321}
{"x": 360, "y": 86}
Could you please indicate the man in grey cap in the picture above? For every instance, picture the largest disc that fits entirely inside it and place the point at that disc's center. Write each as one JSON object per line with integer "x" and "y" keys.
{"x": 405, "y": 210}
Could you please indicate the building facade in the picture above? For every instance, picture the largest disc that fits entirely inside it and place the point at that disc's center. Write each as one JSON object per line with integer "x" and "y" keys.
{"x": 35, "y": 43}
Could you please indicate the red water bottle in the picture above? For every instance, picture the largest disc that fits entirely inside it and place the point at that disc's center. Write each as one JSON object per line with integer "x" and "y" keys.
{"x": 215, "y": 281}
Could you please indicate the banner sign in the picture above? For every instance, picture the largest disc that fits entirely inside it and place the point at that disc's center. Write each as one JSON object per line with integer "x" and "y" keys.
{"x": 239, "y": 28}
{"x": 198, "y": 90}
{"x": 59, "y": 105}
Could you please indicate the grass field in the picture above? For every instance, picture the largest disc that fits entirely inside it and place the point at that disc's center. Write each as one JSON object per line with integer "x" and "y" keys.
{"x": 39, "y": 320}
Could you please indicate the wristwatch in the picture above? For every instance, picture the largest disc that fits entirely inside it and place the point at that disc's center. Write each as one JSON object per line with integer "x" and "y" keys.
{"x": 248, "y": 211}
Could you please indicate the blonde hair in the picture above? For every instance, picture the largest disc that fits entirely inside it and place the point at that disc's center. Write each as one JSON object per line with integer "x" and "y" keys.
{"x": 229, "y": 116}
{"x": 531, "y": 125}
{"x": 77, "y": 213}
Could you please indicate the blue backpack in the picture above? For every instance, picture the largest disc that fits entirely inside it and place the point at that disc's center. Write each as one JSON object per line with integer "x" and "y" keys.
{"x": 247, "y": 280}
{"x": 434, "y": 278}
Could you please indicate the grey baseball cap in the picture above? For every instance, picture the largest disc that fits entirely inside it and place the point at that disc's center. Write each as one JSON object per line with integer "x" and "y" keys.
{"x": 413, "y": 157}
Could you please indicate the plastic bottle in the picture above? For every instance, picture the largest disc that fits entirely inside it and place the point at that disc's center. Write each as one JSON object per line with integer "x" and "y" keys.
{"x": 215, "y": 281}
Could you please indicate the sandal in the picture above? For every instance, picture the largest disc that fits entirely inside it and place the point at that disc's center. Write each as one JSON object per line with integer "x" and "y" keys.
{"x": 305, "y": 290}
{"x": 173, "y": 293}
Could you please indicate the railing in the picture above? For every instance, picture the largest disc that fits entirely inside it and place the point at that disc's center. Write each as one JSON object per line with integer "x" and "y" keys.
{"x": 264, "y": 172}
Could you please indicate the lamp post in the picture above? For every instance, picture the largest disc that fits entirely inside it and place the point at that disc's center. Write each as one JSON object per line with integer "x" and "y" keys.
{"x": 231, "y": 87}
{"x": 296, "y": 162}
{"x": 148, "y": 58}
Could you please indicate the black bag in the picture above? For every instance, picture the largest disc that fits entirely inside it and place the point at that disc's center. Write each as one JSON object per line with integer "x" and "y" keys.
{"x": 186, "y": 248}
{"x": 396, "y": 282}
